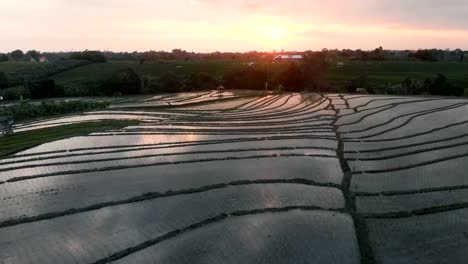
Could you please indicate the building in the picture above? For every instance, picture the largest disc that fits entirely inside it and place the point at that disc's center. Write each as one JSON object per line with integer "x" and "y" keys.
{"x": 43, "y": 59}
{"x": 288, "y": 57}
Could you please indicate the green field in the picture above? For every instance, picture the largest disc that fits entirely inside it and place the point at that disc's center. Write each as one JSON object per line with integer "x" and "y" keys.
{"x": 28, "y": 139}
{"x": 379, "y": 73}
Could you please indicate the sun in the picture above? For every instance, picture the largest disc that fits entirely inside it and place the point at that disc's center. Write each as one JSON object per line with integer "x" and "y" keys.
{"x": 276, "y": 33}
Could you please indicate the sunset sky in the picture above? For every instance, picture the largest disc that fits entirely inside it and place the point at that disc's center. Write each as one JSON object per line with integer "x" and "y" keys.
{"x": 228, "y": 25}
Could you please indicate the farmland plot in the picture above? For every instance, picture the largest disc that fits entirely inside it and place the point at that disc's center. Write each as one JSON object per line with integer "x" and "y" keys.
{"x": 244, "y": 178}
{"x": 408, "y": 157}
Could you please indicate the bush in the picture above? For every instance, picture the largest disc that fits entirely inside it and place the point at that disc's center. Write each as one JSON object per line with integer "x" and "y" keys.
{"x": 125, "y": 81}
{"x": 3, "y": 57}
{"x": 246, "y": 78}
{"x": 3, "y": 80}
{"x": 89, "y": 55}
{"x": 200, "y": 81}
{"x": 27, "y": 110}
{"x": 43, "y": 89}
{"x": 15, "y": 93}
{"x": 292, "y": 79}
{"x": 169, "y": 82}
{"x": 441, "y": 86}
{"x": 315, "y": 70}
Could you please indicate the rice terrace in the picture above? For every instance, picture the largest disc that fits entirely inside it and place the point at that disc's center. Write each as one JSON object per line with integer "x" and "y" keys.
{"x": 234, "y": 132}
{"x": 243, "y": 177}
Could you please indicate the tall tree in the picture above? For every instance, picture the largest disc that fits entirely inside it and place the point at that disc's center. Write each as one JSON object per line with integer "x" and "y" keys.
{"x": 17, "y": 55}
{"x": 3, "y": 80}
{"x": 3, "y": 57}
{"x": 33, "y": 54}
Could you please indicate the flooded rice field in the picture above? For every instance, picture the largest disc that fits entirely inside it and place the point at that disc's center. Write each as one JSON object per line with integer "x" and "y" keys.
{"x": 241, "y": 177}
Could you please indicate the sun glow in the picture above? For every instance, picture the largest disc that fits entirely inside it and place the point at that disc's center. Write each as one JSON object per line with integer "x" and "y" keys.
{"x": 277, "y": 33}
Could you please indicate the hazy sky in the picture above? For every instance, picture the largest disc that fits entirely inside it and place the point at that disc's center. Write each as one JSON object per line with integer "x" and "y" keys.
{"x": 228, "y": 25}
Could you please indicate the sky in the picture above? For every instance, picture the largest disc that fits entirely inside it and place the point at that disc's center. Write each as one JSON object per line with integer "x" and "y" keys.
{"x": 232, "y": 25}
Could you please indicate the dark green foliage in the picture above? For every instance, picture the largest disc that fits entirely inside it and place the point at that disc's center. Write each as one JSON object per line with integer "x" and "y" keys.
{"x": 425, "y": 55}
{"x": 3, "y": 57}
{"x": 362, "y": 81}
{"x": 27, "y": 110}
{"x": 19, "y": 72}
{"x": 441, "y": 86}
{"x": 315, "y": 71}
{"x": 124, "y": 81}
{"x": 17, "y": 55}
{"x": 15, "y": 93}
{"x": 169, "y": 82}
{"x": 292, "y": 79}
{"x": 433, "y": 86}
{"x": 44, "y": 88}
{"x": 200, "y": 81}
{"x": 89, "y": 55}
{"x": 33, "y": 54}
{"x": 248, "y": 78}
{"x": 414, "y": 87}
{"x": 28, "y": 139}
{"x": 3, "y": 80}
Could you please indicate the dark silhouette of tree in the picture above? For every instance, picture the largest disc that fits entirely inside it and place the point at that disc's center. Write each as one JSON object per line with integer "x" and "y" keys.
{"x": 3, "y": 57}
{"x": 200, "y": 81}
{"x": 169, "y": 82}
{"x": 315, "y": 68}
{"x": 441, "y": 86}
{"x": 17, "y": 55}
{"x": 43, "y": 88}
{"x": 33, "y": 54}
{"x": 246, "y": 78}
{"x": 3, "y": 80}
{"x": 292, "y": 79}
{"x": 125, "y": 81}
{"x": 89, "y": 55}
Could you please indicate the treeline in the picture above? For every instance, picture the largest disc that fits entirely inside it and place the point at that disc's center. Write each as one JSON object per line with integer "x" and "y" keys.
{"x": 456, "y": 55}
{"x": 34, "y": 55}
{"x": 437, "y": 85}
{"x": 26, "y": 110}
{"x": 308, "y": 74}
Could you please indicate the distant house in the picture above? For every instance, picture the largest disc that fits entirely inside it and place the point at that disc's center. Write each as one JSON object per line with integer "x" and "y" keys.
{"x": 288, "y": 57}
{"x": 43, "y": 59}
{"x": 340, "y": 64}
{"x": 251, "y": 64}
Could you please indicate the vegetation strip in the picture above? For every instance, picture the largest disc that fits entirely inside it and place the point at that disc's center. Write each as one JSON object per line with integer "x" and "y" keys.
{"x": 156, "y": 195}
{"x": 25, "y": 140}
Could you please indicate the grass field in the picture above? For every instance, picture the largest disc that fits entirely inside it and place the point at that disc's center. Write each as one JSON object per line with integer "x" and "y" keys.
{"x": 379, "y": 72}
{"x": 24, "y": 140}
